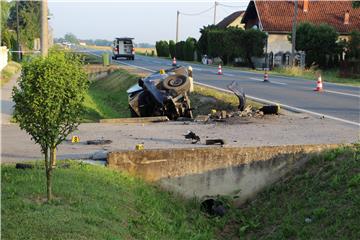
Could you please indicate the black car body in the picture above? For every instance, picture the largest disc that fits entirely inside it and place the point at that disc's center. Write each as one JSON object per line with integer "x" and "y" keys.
{"x": 164, "y": 93}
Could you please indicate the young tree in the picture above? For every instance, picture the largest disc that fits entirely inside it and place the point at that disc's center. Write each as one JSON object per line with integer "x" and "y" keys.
{"x": 48, "y": 103}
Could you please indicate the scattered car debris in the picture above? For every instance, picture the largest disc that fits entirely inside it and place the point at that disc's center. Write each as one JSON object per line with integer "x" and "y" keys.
{"x": 202, "y": 118}
{"x": 213, "y": 207}
{"x": 98, "y": 142}
{"x": 193, "y": 136}
{"x": 164, "y": 93}
{"x": 234, "y": 87}
{"x": 215, "y": 142}
{"x": 270, "y": 109}
{"x": 23, "y": 166}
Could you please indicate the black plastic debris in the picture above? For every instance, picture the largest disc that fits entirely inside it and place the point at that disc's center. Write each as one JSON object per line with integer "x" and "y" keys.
{"x": 213, "y": 207}
{"x": 270, "y": 109}
{"x": 23, "y": 166}
{"x": 193, "y": 136}
{"x": 214, "y": 142}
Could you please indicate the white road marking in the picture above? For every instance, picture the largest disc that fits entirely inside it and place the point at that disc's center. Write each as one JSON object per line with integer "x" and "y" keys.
{"x": 228, "y": 74}
{"x": 342, "y": 93}
{"x": 287, "y": 106}
{"x": 274, "y": 82}
{"x": 197, "y": 69}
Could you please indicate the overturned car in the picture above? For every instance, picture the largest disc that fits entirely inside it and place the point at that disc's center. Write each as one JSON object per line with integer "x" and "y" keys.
{"x": 164, "y": 93}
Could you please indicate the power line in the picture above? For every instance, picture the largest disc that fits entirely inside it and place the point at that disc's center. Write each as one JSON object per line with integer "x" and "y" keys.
{"x": 196, "y": 14}
{"x": 232, "y": 6}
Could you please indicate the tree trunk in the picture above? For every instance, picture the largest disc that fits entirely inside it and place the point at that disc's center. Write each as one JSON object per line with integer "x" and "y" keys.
{"x": 49, "y": 183}
{"x": 48, "y": 169}
{"x": 53, "y": 157}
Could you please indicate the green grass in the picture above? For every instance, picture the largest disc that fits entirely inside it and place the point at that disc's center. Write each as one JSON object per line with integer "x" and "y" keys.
{"x": 93, "y": 202}
{"x": 9, "y": 71}
{"x": 326, "y": 190}
{"x": 107, "y": 97}
{"x": 327, "y": 75}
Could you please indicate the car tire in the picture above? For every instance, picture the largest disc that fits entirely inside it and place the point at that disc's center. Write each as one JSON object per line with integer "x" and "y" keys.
{"x": 177, "y": 83}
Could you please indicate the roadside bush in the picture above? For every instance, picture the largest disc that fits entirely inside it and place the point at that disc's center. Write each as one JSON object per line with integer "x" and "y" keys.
{"x": 216, "y": 43}
{"x": 162, "y": 48}
{"x": 189, "y": 49}
{"x": 320, "y": 43}
{"x": 172, "y": 48}
{"x": 202, "y": 44}
{"x": 353, "y": 46}
{"x": 179, "y": 47}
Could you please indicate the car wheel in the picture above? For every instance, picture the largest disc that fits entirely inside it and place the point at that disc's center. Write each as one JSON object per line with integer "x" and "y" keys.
{"x": 177, "y": 83}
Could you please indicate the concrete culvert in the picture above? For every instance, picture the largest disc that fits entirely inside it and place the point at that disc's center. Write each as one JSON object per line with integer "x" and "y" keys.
{"x": 213, "y": 207}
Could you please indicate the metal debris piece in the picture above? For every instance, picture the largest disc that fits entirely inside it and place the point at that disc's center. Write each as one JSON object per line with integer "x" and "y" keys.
{"x": 192, "y": 136}
{"x": 234, "y": 87}
{"x": 215, "y": 141}
{"x": 98, "y": 142}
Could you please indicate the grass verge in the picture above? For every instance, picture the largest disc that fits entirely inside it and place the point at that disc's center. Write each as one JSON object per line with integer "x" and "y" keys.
{"x": 9, "y": 70}
{"x": 320, "y": 201}
{"x": 327, "y": 75}
{"x": 107, "y": 97}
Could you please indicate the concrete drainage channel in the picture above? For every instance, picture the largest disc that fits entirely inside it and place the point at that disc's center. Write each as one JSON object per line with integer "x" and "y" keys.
{"x": 209, "y": 172}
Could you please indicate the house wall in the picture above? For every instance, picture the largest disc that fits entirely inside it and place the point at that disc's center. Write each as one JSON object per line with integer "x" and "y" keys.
{"x": 237, "y": 23}
{"x": 278, "y": 43}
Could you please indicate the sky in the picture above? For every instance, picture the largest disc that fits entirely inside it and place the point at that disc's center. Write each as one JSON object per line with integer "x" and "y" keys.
{"x": 146, "y": 21}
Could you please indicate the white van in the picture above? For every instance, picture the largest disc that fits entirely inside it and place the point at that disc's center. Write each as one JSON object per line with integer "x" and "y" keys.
{"x": 123, "y": 47}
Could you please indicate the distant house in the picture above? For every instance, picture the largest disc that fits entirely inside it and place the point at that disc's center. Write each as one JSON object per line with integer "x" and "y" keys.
{"x": 276, "y": 18}
{"x": 233, "y": 20}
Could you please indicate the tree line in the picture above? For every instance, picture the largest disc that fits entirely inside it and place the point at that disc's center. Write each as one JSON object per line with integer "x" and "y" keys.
{"x": 28, "y": 15}
{"x": 216, "y": 42}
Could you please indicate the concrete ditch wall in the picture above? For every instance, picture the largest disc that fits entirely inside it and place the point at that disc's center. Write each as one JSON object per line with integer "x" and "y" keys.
{"x": 205, "y": 172}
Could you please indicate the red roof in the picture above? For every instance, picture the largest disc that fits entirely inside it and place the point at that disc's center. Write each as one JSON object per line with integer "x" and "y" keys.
{"x": 277, "y": 16}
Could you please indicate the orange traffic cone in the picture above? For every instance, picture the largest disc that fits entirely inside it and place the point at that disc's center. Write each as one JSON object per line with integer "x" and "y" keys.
{"x": 266, "y": 76}
{"x": 174, "y": 61}
{"x": 219, "y": 70}
{"x": 319, "y": 85}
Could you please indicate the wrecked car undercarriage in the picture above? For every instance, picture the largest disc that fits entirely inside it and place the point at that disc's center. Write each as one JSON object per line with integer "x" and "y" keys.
{"x": 164, "y": 93}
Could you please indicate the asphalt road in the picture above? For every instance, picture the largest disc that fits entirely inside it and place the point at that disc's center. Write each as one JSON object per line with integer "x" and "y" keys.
{"x": 337, "y": 102}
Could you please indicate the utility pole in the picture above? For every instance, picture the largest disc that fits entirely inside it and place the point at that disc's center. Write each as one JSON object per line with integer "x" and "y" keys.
{"x": 215, "y": 12}
{"x": 44, "y": 28}
{"x": 17, "y": 30}
{"x": 177, "y": 26}
{"x": 293, "y": 35}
